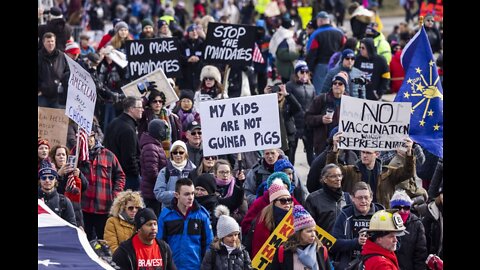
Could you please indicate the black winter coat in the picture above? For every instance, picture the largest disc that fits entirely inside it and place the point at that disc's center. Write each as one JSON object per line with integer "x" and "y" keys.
{"x": 413, "y": 246}
{"x": 304, "y": 93}
{"x": 63, "y": 210}
{"x": 237, "y": 260}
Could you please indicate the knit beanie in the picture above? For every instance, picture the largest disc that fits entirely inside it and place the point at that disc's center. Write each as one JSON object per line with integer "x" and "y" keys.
{"x": 178, "y": 143}
{"x": 278, "y": 175}
{"x": 301, "y": 218}
{"x": 301, "y": 65}
{"x": 341, "y": 76}
{"x": 399, "y": 198}
{"x": 47, "y": 169}
{"x": 143, "y": 216}
{"x": 186, "y": 94}
{"x": 146, "y": 22}
{"x": 348, "y": 53}
{"x": 225, "y": 224}
{"x": 120, "y": 25}
{"x": 207, "y": 181}
{"x": 282, "y": 164}
{"x": 210, "y": 71}
{"x": 72, "y": 47}
{"x": 157, "y": 128}
{"x": 43, "y": 142}
{"x": 275, "y": 191}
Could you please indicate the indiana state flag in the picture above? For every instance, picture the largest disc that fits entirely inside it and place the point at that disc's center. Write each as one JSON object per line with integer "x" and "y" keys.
{"x": 62, "y": 245}
{"x": 423, "y": 89}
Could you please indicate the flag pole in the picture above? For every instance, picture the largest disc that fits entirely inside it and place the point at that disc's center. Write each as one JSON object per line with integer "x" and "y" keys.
{"x": 77, "y": 151}
{"x": 420, "y": 20}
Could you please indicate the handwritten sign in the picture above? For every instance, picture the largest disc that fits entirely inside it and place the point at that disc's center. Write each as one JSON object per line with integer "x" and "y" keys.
{"x": 147, "y": 55}
{"x": 157, "y": 76}
{"x": 240, "y": 124}
{"x": 81, "y": 96}
{"x": 229, "y": 43}
{"x": 374, "y": 125}
{"x": 52, "y": 125}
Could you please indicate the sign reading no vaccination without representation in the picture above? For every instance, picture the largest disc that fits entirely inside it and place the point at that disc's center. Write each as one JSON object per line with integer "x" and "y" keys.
{"x": 147, "y": 55}
{"x": 241, "y": 124}
{"x": 229, "y": 44}
{"x": 374, "y": 125}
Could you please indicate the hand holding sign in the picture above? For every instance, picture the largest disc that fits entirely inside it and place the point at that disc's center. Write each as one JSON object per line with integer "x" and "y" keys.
{"x": 336, "y": 139}
{"x": 409, "y": 145}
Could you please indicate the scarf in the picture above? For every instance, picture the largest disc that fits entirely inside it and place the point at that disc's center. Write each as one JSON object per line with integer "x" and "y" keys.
{"x": 186, "y": 117}
{"x": 404, "y": 215}
{"x": 222, "y": 183}
{"x": 229, "y": 248}
{"x": 334, "y": 193}
{"x": 278, "y": 214}
{"x": 179, "y": 166}
{"x": 125, "y": 217}
{"x": 308, "y": 256}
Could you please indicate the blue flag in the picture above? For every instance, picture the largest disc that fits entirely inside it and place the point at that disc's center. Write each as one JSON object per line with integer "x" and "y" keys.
{"x": 422, "y": 87}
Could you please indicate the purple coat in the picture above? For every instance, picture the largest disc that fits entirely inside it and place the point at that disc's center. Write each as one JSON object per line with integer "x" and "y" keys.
{"x": 152, "y": 160}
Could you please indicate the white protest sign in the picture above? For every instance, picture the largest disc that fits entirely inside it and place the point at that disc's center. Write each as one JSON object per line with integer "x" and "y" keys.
{"x": 81, "y": 96}
{"x": 118, "y": 57}
{"x": 157, "y": 76}
{"x": 240, "y": 124}
{"x": 374, "y": 125}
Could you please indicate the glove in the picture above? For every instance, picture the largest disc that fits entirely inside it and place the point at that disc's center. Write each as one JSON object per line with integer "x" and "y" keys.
{"x": 152, "y": 86}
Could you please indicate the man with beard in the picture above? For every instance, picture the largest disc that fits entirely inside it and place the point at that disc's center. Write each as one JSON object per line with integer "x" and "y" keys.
{"x": 147, "y": 29}
{"x": 142, "y": 250}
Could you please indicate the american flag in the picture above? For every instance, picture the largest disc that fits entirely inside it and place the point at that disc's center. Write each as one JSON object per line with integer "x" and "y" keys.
{"x": 62, "y": 245}
{"x": 83, "y": 146}
{"x": 257, "y": 55}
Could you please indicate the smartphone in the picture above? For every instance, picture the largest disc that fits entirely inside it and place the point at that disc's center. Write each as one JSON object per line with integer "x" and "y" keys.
{"x": 143, "y": 86}
{"x": 71, "y": 160}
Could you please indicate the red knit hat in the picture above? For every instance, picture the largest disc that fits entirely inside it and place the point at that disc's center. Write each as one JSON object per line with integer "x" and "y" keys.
{"x": 43, "y": 141}
{"x": 72, "y": 47}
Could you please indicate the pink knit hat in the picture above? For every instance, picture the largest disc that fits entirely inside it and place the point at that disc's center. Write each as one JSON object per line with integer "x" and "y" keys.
{"x": 301, "y": 218}
{"x": 275, "y": 191}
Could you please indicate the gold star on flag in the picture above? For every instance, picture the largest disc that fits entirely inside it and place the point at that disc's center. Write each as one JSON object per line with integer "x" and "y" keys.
{"x": 420, "y": 87}
{"x": 409, "y": 80}
{"x": 406, "y": 95}
{"x": 422, "y": 123}
{"x": 412, "y": 111}
{"x": 436, "y": 127}
{"x": 430, "y": 113}
{"x": 431, "y": 63}
{"x": 418, "y": 70}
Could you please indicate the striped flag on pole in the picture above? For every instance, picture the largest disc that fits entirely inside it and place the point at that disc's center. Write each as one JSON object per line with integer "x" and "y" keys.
{"x": 83, "y": 139}
{"x": 257, "y": 55}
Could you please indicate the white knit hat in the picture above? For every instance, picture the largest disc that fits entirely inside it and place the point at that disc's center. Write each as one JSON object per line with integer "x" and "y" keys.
{"x": 275, "y": 191}
{"x": 225, "y": 224}
{"x": 178, "y": 143}
{"x": 210, "y": 71}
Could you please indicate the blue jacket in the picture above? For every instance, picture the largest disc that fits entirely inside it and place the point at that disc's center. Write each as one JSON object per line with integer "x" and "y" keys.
{"x": 189, "y": 237}
{"x": 346, "y": 233}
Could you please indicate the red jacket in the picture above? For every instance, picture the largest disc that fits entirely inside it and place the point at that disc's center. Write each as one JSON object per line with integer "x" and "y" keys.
{"x": 386, "y": 262}
{"x": 397, "y": 72}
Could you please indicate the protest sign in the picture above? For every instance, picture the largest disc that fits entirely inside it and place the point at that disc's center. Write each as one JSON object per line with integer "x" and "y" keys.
{"x": 229, "y": 43}
{"x": 147, "y": 55}
{"x": 240, "y": 124}
{"x": 52, "y": 125}
{"x": 374, "y": 125}
{"x": 81, "y": 96}
{"x": 160, "y": 80}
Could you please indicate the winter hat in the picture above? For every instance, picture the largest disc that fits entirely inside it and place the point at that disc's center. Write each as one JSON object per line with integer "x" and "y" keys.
{"x": 47, "y": 169}
{"x": 322, "y": 15}
{"x": 193, "y": 125}
{"x": 225, "y": 224}
{"x": 278, "y": 175}
{"x": 301, "y": 65}
{"x": 143, "y": 216}
{"x": 348, "y": 53}
{"x": 282, "y": 164}
{"x": 191, "y": 28}
{"x": 287, "y": 23}
{"x": 94, "y": 57}
{"x": 161, "y": 23}
{"x": 210, "y": 71}
{"x": 55, "y": 13}
{"x": 169, "y": 11}
{"x": 341, "y": 76}
{"x": 276, "y": 190}
{"x": 301, "y": 218}
{"x": 120, "y": 25}
{"x": 207, "y": 181}
{"x": 146, "y": 22}
{"x": 399, "y": 198}
{"x": 157, "y": 128}
{"x": 186, "y": 94}
{"x": 72, "y": 47}
{"x": 178, "y": 143}
{"x": 43, "y": 142}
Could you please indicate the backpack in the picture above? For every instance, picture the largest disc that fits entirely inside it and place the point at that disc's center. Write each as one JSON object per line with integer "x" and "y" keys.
{"x": 358, "y": 263}
{"x": 247, "y": 239}
{"x": 281, "y": 250}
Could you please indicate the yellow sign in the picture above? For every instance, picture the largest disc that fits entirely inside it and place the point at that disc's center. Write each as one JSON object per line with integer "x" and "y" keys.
{"x": 306, "y": 14}
{"x": 265, "y": 255}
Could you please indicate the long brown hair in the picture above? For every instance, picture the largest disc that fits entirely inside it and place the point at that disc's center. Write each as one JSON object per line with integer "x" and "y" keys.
{"x": 267, "y": 216}
{"x": 294, "y": 240}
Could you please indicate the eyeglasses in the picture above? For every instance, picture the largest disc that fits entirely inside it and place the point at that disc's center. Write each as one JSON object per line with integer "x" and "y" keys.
{"x": 49, "y": 177}
{"x": 223, "y": 172}
{"x": 178, "y": 153}
{"x": 210, "y": 158}
{"x": 130, "y": 208}
{"x": 404, "y": 207}
{"x": 429, "y": 20}
{"x": 209, "y": 79}
{"x": 157, "y": 101}
{"x": 360, "y": 198}
{"x": 284, "y": 201}
{"x": 196, "y": 133}
{"x": 335, "y": 176}
{"x": 349, "y": 58}
{"x": 337, "y": 83}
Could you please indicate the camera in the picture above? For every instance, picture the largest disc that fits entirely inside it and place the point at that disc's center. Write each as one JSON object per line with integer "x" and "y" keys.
{"x": 143, "y": 86}
{"x": 360, "y": 80}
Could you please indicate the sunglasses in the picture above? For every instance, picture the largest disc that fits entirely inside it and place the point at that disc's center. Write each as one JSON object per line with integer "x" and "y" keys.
{"x": 196, "y": 133}
{"x": 209, "y": 78}
{"x": 178, "y": 153}
{"x": 349, "y": 58}
{"x": 337, "y": 83}
{"x": 210, "y": 158}
{"x": 157, "y": 101}
{"x": 404, "y": 207}
{"x": 304, "y": 71}
{"x": 49, "y": 177}
{"x": 130, "y": 208}
{"x": 284, "y": 201}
